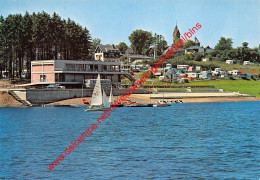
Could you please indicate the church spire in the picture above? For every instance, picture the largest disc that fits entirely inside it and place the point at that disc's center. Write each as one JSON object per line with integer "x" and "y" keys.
{"x": 176, "y": 33}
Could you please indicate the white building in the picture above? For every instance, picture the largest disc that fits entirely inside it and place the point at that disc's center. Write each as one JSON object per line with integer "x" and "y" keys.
{"x": 107, "y": 52}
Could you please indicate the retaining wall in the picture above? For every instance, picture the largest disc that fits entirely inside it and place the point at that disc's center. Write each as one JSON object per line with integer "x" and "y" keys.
{"x": 43, "y": 96}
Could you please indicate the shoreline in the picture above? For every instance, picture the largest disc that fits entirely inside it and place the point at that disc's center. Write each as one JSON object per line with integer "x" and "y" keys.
{"x": 6, "y": 100}
{"x": 147, "y": 100}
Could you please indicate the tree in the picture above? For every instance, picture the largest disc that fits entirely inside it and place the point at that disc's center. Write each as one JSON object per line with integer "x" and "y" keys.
{"x": 198, "y": 56}
{"x": 95, "y": 43}
{"x": 122, "y": 47}
{"x": 176, "y": 40}
{"x": 40, "y": 36}
{"x": 188, "y": 44}
{"x": 224, "y": 44}
{"x": 245, "y": 44}
{"x": 159, "y": 43}
{"x": 141, "y": 41}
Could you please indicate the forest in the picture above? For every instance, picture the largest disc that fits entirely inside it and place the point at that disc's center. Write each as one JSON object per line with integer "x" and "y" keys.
{"x": 40, "y": 37}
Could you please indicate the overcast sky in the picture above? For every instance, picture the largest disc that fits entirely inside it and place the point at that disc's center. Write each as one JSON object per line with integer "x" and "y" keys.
{"x": 114, "y": 20}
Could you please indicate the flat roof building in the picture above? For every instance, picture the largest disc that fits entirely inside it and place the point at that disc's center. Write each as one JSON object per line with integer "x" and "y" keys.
{"x": 74, "y": 72}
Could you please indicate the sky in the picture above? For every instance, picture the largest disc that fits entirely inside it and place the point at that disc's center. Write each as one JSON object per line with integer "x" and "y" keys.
{"x": 114, "y": 20}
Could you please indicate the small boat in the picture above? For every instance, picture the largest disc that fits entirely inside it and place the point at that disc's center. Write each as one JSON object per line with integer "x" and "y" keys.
{"x": 129, "y": 102}
{"x": 85, "y": 101}
{"x": 99, "y": 101}
{"x": 164, "y": 102}
{"x": 178, "y": 101}
{"x": 169, "y": 101}
{"x": 161, "y": 105}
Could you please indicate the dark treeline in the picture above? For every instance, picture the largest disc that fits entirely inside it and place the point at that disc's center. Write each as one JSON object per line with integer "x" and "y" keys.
{"x": 40, "y": 37}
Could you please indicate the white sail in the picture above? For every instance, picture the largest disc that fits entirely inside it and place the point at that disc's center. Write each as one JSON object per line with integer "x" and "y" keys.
{"x": 105, "y": 101}
{"x": 97, "y": 94}
{"x": 111, "y": 99}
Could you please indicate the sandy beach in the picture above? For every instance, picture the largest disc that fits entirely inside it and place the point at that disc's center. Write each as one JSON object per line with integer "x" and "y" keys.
{"x": 146, "y": 100}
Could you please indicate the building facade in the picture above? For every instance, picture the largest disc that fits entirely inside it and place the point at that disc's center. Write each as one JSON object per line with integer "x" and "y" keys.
{"x": 71, "y": 72}
{"x": 107, "y": 52}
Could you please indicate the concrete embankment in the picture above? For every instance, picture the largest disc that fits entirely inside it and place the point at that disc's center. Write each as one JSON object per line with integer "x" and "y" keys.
{"x": 19, "y": 97}
{"x": 45, "y": 96}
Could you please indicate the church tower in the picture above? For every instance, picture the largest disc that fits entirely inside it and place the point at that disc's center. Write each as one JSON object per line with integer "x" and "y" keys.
{"x": 176, "y": 33}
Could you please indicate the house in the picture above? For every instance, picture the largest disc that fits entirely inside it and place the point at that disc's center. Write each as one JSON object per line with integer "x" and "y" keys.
{"x": 198, "y": 48}
{"x": 193, "y": 49}
{"x": 107, "y": 52}
{"x": 179, "y": 52}
{"x": 128, "y": 51}
{"x": 72, "y": 73}
{"x": 208, "y": 49}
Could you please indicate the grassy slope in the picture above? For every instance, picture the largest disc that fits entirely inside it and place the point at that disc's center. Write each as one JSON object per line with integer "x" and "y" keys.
{"x": 243, "y": 86}
{"x": 247, "y": 87}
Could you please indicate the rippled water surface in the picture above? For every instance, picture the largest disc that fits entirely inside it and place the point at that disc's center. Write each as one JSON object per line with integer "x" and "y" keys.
{"x": 183, "y": 141}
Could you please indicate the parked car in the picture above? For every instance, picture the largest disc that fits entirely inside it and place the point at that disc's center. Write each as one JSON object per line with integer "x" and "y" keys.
{"x": 55, "y": 86}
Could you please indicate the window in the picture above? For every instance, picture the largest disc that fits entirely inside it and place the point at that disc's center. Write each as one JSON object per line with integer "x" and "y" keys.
{"x": 42, "y": 78}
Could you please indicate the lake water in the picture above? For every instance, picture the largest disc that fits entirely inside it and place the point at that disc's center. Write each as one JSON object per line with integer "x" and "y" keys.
{"x": 183, "y": 141}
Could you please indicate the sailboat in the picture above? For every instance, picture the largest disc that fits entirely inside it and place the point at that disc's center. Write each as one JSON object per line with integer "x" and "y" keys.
{"x": 99, "y": 101}
{"x": 111, "y": 98}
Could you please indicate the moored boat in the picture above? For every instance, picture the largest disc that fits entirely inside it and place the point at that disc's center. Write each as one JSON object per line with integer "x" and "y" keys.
{"x": 99, "y": 101}
{"x": 161, "y": 105}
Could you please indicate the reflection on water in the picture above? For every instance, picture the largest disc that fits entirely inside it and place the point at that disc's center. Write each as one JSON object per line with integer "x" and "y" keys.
{"x": 204, "y": 140}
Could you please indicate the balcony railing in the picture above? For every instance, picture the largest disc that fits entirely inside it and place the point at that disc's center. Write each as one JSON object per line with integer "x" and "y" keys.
{"x": 59, "y": 69}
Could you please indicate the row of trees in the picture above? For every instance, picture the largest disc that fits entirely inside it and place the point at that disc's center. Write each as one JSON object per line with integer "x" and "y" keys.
{"x": 224, "y": 50}
{"x": 143, "y": 42}
{"x": 38, "y": 37}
